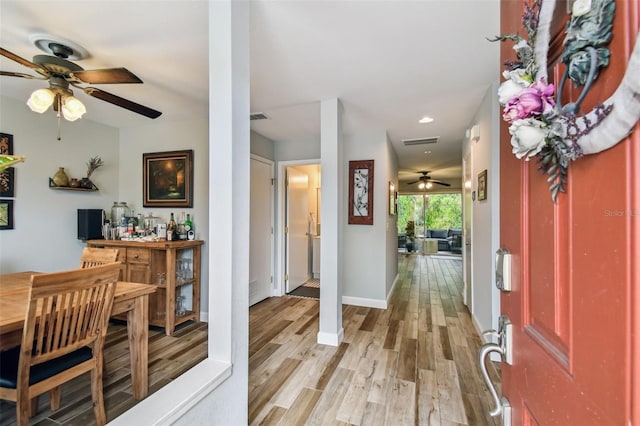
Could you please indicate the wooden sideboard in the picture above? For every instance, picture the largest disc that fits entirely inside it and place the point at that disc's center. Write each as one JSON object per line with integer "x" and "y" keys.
{"x": 172, "y": 266}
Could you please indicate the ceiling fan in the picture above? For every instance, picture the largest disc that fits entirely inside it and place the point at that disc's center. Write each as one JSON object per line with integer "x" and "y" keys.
{"x": 62, "y": 73}
{"x": 426, "y": 181}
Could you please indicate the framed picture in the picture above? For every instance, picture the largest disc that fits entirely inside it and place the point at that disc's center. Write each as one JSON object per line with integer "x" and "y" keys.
{"x": 361, "y": 192}
{"x": 6, "y": 214}
{"x": 392, "y": 199}
{"x": 482, "y": 185}
{"x": 7, "y": 176}
{"x": 168, "y": 179}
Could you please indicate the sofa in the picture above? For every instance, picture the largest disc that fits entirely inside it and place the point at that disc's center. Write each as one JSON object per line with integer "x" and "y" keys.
{"x": 448, "y": 239}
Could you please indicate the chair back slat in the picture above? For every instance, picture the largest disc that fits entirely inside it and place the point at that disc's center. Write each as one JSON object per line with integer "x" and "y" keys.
{"x": 68, "y": 310}
{"x": 93, "y": 256}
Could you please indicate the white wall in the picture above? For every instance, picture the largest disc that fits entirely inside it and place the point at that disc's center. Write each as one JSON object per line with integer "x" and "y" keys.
{"x": 366, "y": 247}
{"x": 298, "y": 150}
{"x": 159, "y": 136}
{"x": 486, "y": 214}
{"x": 262, "y": 146}
{"x": 45, "y": 234}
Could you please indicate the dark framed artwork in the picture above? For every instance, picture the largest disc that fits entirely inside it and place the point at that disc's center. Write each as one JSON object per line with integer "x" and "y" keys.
{"x": 482, "y": 185}
{"x": 168, "y": 179}
{"x": 392, "y": 199}
{"x": 7, "y": 176}
{"x": 6, "y": 214}
{"x": 361, "y": 192}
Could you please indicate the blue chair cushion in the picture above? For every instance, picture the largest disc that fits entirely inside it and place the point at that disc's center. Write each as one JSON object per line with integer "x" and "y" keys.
{"x": 9, "y": 366}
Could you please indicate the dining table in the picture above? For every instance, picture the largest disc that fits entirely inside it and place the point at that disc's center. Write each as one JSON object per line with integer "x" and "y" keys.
{"x": 130, "y": 298}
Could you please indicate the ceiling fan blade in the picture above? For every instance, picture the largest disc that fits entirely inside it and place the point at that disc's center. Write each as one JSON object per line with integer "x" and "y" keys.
{"x": 122, "y": 102}
{"x": 19, "y": 74}
{"x": 106, "y": 76}
{"x": 19, "y": 59}
{"x": 440, "y": 183}
{"x": 411, "y": 183}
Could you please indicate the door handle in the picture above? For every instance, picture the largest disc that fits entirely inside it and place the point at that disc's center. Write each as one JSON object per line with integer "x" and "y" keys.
{"x": 485, "y": 350}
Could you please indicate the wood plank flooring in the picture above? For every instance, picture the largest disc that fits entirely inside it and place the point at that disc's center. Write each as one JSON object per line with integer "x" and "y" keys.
{"x": 169, "y": 357}
{"x": 413, "y": 363}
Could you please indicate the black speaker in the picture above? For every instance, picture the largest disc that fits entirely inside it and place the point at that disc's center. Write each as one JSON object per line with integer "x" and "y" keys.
{"x": 90, "y": 224}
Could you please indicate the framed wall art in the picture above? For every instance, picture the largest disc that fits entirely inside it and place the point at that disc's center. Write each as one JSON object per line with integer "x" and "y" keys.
{"x": 168, "y": 179}
{"x": 7, "y": 176}
{"x": 6, "y": 214}
{"x": 482, "y": 185}
{"x": 361, "y": 192}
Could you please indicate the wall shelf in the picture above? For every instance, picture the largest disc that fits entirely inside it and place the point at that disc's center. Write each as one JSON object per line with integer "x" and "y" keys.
{"x": 52, "y": 185}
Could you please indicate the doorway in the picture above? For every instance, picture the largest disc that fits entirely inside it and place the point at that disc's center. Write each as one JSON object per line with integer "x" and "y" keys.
{"x": 300, "y": 239}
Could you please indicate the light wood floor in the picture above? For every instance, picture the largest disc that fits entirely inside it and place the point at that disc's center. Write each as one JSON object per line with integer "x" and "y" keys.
{"x": 169, "y": 357}
{"x": 414, "y": 363}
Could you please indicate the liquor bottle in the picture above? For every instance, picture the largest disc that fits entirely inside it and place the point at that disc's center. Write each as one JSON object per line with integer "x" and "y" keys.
{"x": 182, "y": 233}
{"x": 188, "y": 226}
{"x": 171, "y": 228}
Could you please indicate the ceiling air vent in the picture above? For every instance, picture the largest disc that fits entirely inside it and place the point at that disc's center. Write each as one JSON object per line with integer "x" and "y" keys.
{"x": 258, "y": 116}
{"x": 420, "y": 141}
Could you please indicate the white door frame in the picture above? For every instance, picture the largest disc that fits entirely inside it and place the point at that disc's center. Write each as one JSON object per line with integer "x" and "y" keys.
{"x": 279, "y": 284}
{"x": 467, "y": 234}
{"x": 271, "y": 163}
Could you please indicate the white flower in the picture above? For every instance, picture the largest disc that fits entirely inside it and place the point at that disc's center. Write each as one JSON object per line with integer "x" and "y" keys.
{"x": 518, "y": 75}
{"x": 516, "y": 80}
{"x": 528, "y": 137}
{"x": 508, "y": 90}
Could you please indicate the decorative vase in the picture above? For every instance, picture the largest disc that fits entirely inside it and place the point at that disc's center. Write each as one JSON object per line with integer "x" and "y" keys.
{"x": 74, "y": 183}
{"x": 86, "y": 183}
{"x": 61, "y": 178}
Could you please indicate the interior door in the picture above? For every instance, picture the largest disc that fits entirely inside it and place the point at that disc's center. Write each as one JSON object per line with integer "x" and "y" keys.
{"x": 575, "y": 268}
{"x": 466, "y": 231}
{"x": 260, "y": 231}
{"x": 297, "y": 223}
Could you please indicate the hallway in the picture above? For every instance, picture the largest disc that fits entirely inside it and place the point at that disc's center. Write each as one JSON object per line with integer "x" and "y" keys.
{"x": 414, "y": 363}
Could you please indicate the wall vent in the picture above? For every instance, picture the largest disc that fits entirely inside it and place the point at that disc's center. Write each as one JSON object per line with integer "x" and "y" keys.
{"x": 258, "y": 116}
{"x": 420, "y": 141}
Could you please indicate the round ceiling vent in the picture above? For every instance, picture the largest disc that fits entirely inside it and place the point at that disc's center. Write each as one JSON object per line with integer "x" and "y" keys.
{"x": 59, "y": 47}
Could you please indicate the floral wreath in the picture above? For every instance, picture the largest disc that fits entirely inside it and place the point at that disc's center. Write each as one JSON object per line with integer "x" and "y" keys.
{"x": 539, "y": 125}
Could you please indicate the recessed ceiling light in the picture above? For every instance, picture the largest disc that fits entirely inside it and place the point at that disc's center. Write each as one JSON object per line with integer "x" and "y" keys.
{"x": 426, "y": 119}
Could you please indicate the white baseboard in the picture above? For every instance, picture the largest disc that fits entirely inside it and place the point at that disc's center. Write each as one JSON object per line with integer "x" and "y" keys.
{"x": 393, "y": 287}
{"x": 331, "y": 339}
{"x": 367, "y": 303}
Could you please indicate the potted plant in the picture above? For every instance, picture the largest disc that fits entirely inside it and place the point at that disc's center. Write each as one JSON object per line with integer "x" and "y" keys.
{"x": 410, "y": 231}
{"x": 93, "y": 164}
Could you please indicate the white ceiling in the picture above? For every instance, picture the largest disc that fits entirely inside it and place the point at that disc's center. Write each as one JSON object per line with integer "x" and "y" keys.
{"x": 390, "y": 63}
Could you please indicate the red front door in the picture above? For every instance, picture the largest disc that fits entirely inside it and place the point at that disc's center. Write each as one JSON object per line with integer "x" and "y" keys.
{"x": 575, "y": 305}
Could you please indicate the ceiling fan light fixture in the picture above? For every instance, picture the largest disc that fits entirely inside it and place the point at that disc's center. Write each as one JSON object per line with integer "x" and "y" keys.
{"x": 429, "y": 185}
{"x": 72, "y": 108}
{"x": 421, "y": 185}
{"x": 40, "y": 100}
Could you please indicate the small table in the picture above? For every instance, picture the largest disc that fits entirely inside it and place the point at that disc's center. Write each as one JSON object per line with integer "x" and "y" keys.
{"x": 132, "y": 298}
{"x": 430, "y": 246}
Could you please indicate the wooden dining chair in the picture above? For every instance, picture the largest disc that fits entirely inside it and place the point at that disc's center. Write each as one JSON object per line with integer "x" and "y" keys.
{"x": 92, "y": 256}
{"x": 63, "y": 335}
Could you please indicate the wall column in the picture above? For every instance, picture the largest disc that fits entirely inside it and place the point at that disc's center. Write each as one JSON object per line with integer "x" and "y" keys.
{"x": 332, "y": 220}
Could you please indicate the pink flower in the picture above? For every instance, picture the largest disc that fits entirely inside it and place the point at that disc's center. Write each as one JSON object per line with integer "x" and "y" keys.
{"x": 532, "y": 101}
